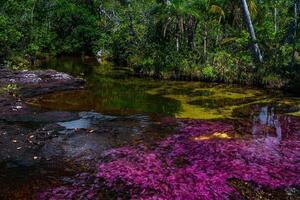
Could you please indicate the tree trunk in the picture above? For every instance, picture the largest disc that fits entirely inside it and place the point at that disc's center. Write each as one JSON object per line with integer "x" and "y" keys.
{"x": 248, "y": 22}
{"x": 167, "y": 2}
{"x": 192, "y": 25}
{"x": 32, "y": 12}
{"x": 275, "y": 20}
{"x": 219, "y": 31}
{"x": 205, "y": 42}
{"x": 177, "y": 43}
{"x": 131, "y": 26}
{"x": 275, "y": 32}
{"x": 296, "y": 7}
{"x": 32, "y": 20}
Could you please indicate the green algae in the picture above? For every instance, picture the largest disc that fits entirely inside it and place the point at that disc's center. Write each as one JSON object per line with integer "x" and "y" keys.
{"x": 213, "y": 101}
{"x": 114, "y": 90}
{"x": 207, "y": 100}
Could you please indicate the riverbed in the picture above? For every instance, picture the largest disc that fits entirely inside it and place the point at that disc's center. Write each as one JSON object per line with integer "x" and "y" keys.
{"x": 116, "y": 109}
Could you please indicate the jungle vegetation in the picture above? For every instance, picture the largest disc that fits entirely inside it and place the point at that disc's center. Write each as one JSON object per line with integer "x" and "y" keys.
{"x": 252, "y": 42}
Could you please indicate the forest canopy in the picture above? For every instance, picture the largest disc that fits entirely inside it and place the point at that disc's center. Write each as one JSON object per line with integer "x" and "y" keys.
{"x": 248, "y": 42}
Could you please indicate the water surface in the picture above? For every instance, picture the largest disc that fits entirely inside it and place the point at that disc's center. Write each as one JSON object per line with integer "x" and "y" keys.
{"x": 118, "y": 109}
{"x": 113, "y": 90}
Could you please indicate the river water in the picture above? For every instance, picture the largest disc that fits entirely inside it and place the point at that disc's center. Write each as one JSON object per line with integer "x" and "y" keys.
{"x": 129, "y": 110}
{"x": 112, "y": 90}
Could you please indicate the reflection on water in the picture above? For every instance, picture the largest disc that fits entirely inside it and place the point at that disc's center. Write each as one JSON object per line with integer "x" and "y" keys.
{"x": 267, "y": 117}
{"x": 262, "y": 123}
{"x": 113, "y": 91}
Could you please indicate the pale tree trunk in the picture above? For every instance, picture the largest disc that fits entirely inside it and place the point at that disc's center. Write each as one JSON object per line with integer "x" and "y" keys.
{"x": 167, "y": 2}
{"x": 32, "y": 12}
{"x": 219, "y": 31}
{"x": 205, "y": 43}
{"x": 177, "y": 43}
{"x": 296, "y": 7}
{"x": 32, "y": 20}
{"x": 275, "y": 32}
{"x": 275, "y": 20}
{"x": 248, "y": 21}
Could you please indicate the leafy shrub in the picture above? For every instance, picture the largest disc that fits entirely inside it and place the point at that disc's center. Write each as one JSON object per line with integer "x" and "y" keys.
{"x": 208, "y": 72}
{"x": 17, "y": 63}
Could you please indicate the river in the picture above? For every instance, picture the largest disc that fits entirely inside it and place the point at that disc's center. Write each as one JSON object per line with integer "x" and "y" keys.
{"x": 118, "y": 109}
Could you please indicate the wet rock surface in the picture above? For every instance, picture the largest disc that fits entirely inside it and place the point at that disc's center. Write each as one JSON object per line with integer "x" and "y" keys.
{"x": 24, "y": 131}
{"x": 33, "y": 83}
{"x": 45, "y": 155}
{"x": 22, "y": 128}
{"x": 29, "y": 84}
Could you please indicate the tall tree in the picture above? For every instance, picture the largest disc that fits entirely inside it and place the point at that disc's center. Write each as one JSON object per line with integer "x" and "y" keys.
{"x": 249, "y": 24}
{"x": 296, "y": 10}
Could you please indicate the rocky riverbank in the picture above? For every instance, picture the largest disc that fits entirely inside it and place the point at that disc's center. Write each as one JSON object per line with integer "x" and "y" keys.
{"x": 17, "y": 135}
{"x": 39, "y": 148}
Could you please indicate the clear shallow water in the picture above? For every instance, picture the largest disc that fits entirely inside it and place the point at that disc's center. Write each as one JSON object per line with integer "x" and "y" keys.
{"x": 87, "y": 121}
{"x": 130, "y": 111}
{"x": 114, "y": 91}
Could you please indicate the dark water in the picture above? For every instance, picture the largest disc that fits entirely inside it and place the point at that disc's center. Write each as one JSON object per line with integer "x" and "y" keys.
{"x": 117, "y": 109}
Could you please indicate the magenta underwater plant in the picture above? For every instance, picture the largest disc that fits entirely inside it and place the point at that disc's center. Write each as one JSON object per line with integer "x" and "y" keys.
{"x": 85, "y": 187}
{"x": 198, "y": 161}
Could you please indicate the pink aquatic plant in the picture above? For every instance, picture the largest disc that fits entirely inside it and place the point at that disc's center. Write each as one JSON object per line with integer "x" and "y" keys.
{"x": 198, "y": 161}
{"x": 85, "y": 187}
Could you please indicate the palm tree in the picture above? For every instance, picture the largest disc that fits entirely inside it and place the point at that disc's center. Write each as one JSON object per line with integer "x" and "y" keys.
{"x": 200, "y": 11}
{"x": 248, "y": 22}
{"x": 296, "y": 11}
{"x": 176, "y": 17}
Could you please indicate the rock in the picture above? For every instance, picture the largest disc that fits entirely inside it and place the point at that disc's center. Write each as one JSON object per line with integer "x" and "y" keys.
{"x": 43, "y": 117}
{"x": 23, "y": 129}
{"x": 33, "y": 83}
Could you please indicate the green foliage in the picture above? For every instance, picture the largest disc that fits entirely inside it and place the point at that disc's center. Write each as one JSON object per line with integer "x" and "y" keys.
{"x": 273, "y": 81}
{"x": 17, "y": 63}
{"x": 8, "y": 88}
{"x": 181, "y": 37}
{"x": 9, "y": 37}
{"x": 209, "y": 72}
{"x": 40, "y": 27}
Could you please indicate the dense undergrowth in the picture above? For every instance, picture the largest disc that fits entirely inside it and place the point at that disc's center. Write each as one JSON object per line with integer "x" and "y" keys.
{"x": 179, "y": 39}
